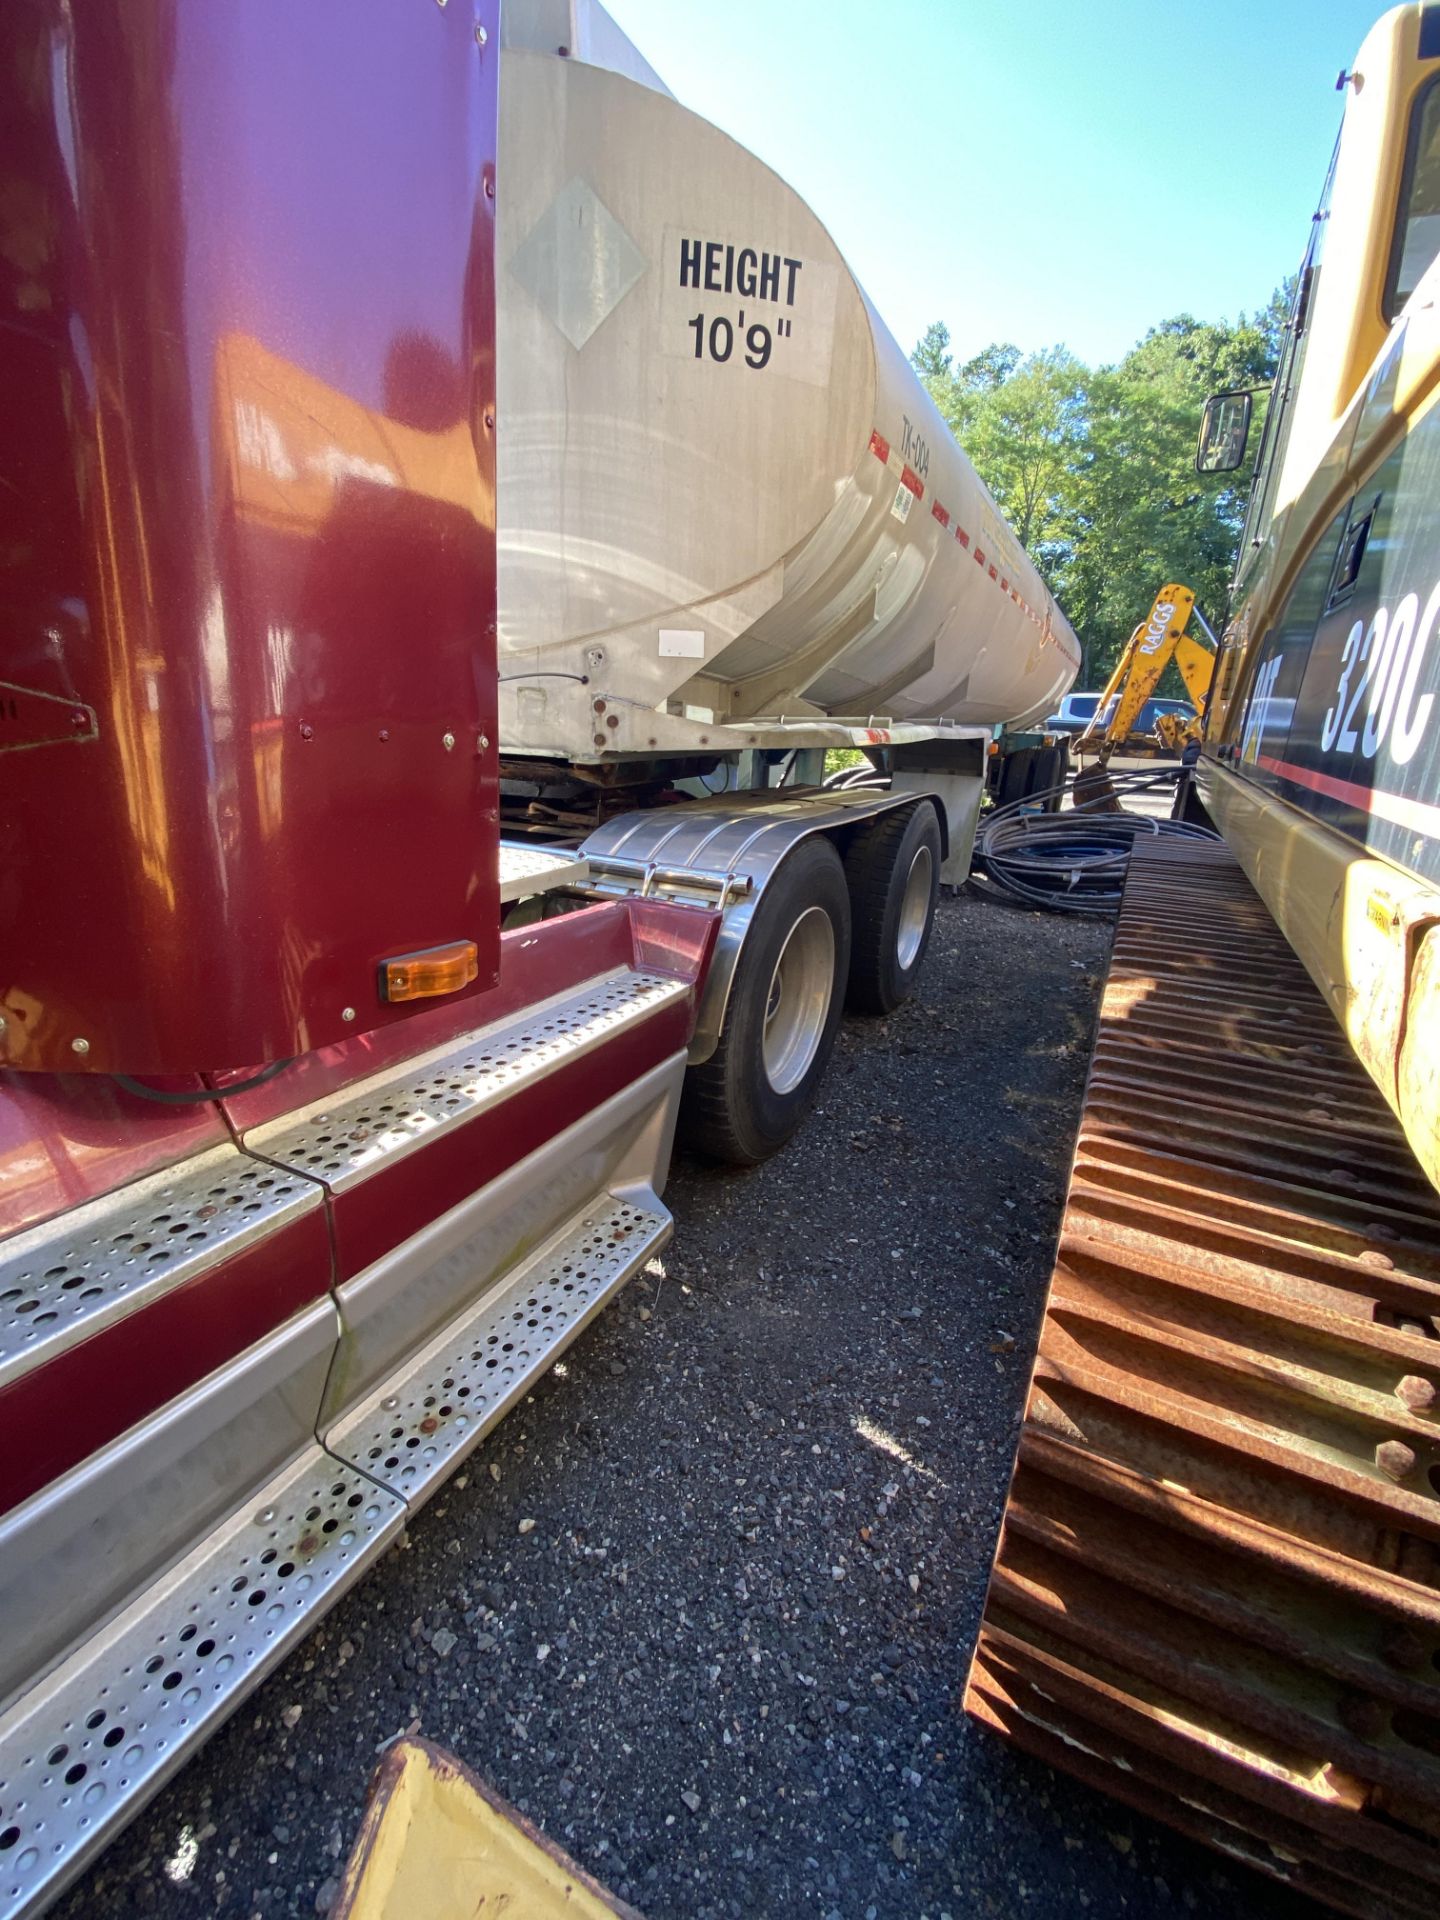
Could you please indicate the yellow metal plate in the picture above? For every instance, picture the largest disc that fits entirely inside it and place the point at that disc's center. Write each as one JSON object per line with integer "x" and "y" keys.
{"x": 436, "y": 1844}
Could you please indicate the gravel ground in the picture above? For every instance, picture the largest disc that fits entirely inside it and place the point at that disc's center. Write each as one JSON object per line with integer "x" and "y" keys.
{"x": 722, "y": 1662}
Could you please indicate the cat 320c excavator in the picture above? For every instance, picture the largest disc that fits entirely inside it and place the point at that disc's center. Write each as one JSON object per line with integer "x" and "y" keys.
{"x": 1217, "y": 1589}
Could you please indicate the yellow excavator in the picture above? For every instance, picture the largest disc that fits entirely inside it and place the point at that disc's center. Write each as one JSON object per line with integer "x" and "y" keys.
{"x": 1160, "y": 638}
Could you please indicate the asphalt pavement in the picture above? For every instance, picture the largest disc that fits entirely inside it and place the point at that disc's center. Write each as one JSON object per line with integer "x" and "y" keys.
{"x": 702, "y": 1606}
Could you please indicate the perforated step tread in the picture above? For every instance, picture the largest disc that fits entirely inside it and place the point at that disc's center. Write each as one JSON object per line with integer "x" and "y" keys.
{"x": 65, "y": 1279}
{"x": 528, "y": 869}
{"x": 410, "y": 1434}
{"x": 85, "y": 1749}
{"x": 345, "y": 1140}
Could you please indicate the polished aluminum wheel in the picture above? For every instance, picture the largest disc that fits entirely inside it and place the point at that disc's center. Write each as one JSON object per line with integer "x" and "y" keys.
{"x": 914, "y": 909}
{"x": 799, "y": 999}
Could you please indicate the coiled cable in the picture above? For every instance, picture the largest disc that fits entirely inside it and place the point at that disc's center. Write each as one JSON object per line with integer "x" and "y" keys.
{"x": 1073, "y": 861}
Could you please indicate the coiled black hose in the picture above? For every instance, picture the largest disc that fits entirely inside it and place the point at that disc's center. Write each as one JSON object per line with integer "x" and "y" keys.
{"x": 1073, "y": 861}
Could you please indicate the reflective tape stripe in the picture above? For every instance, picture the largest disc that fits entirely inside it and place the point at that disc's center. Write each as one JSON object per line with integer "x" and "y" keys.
{"x": 911, "y": 481}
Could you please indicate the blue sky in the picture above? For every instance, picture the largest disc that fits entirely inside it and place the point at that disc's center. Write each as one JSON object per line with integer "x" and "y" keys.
{"x": 1058, "y": 170}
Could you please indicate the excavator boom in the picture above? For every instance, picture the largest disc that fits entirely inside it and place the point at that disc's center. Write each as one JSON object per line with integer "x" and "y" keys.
{"x": 1158, "y": 640}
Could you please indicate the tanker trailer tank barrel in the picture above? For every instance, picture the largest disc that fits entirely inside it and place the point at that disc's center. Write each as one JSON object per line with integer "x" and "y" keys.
{"x": 724, "y": 494}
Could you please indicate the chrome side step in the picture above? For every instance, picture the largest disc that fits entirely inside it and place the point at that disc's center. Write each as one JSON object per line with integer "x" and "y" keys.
{"x": 88, "y": 1746}
{"x": 377, "y": 1122}
{"x": 418, "y": 1424}
{"x": 84, "y": 1750}
{"x": 68, "y": 1278}
{"x": 526, "y": 869}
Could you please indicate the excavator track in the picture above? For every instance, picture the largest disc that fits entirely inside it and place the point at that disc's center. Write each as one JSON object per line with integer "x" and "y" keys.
{"x": 1216, "y": 1594}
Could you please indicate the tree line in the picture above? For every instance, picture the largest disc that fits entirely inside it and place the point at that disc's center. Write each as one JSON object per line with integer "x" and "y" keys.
{"x": 1094, "y": 468}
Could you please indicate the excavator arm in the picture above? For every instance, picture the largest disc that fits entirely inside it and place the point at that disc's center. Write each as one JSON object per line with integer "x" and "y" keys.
{"x": 1146, "y": 654}
{"x": 1159, "y": 639}
{"x": 1196, "y": 661}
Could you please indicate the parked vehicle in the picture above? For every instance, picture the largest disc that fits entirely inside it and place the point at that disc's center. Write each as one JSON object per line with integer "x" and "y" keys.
{"x": 1081, "y": 712}
{"x": 1074, "y": 713}
{"x": 1217, "y": 1589}
{"x": 1151, "y": 711}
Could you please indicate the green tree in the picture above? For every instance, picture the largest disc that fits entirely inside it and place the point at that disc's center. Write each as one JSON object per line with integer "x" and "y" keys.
{"x": 959, "y": 392}
{"x": 931, "y": 358}
{"x": 1095, "y": 470}
{"x": 1142, "y": 515}
{"x": 1025, "y": 434}
{"x": 991, "y": 367}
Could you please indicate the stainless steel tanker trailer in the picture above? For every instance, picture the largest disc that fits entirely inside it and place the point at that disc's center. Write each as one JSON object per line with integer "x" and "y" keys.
{"x": 733, "y": 531}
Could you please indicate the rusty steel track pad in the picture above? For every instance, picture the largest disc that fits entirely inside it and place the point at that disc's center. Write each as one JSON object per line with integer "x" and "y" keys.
{"x": 1216, "y": 1593}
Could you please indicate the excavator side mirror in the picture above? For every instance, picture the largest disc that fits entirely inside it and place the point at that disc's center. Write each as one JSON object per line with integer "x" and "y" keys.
{"x": 1223, "y": 432}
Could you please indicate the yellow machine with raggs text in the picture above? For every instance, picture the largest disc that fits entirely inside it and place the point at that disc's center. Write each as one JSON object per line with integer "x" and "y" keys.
{"x": 1161, "y": 637}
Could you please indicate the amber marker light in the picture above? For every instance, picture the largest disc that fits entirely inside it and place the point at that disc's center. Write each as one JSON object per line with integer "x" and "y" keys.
{"x": 435, "y": 970}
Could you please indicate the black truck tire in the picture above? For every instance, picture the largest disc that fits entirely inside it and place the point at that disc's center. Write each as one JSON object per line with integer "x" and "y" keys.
{"x": 746, "y": 1100}
{"x": 892, "y": 867}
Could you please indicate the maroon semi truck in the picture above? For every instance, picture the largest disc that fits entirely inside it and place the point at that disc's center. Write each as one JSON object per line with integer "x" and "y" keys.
{"x": 306, "y": 1170}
